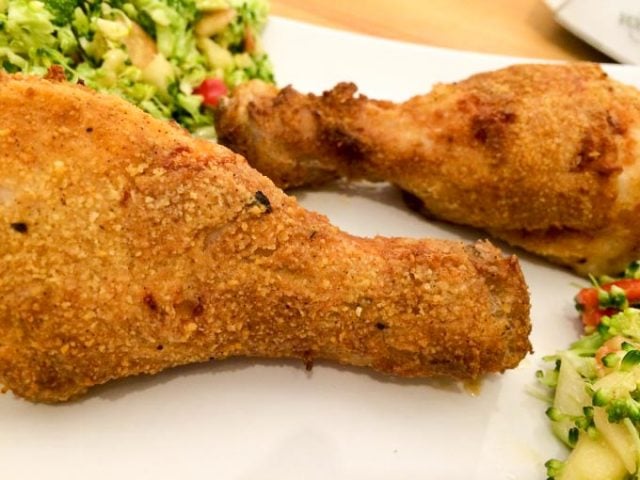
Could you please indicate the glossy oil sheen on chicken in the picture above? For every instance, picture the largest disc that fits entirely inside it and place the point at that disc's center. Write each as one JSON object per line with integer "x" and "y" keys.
{"x": 127, "y": 246}
{"x": 543, "y": 156}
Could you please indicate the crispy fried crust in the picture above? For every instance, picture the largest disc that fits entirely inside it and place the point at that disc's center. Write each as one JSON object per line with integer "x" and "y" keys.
{"x": 127, "y": 247}
{"x": 543, "y": 156}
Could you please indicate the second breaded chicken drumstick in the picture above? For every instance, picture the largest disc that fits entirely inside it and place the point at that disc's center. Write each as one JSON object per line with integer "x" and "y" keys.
{"x": 545, "y": 157}
{"x": 127, "y": 247}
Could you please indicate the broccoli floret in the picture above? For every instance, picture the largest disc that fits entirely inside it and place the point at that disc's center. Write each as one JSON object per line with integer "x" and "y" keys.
{"x": 614, "y": 298}
{"x": 186, "y": 8}
{"x": 582, "y": 422}
{"x": 633, "y": 270}
{"x": 619, "y": 394}
{"x": 554, "y": 468}
{"x": 630, "y": 360}
{"x": 62, "y": 10}
{"x": 625, "y": 323}
{"x": 619, "y": 409}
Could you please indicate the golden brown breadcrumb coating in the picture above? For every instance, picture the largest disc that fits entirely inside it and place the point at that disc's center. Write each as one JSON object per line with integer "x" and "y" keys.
{"x": 127, "y": 246}
{"x": 543, "y": 156}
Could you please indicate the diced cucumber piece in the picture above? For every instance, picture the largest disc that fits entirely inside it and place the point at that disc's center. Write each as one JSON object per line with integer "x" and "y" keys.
{"x": 593, "y": 459}
{"x": 570, "y": 398}
{"x": 619, "y": 437}
{"x": 159, "y": 72}
{"x": 618, "y": 383}
{"x": 216, "y": 55}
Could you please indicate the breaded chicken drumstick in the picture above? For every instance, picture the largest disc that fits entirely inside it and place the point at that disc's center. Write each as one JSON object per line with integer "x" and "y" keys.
{"x": 127, "y": 246}
{"x": 543, "y": 156}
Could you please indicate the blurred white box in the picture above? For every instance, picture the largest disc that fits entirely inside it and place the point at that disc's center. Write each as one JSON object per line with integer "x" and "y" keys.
{"x": 611, "y": 26}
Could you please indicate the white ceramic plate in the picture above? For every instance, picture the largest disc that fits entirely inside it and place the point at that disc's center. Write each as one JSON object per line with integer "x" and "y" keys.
{"x": 265, "y": 420}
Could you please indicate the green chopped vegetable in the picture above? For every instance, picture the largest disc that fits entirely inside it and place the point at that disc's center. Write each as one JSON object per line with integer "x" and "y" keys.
{"x": 162, "y": 55}
{"x": 62, "y": 10}
{"x": 595, "y": 387}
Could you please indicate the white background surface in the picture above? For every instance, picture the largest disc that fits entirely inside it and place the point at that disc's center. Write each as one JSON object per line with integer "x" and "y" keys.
{"x": 242, "y": 419}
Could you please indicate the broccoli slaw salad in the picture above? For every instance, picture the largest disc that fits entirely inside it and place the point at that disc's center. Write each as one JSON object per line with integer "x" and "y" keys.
{"x": 594, "y": 385}
{"x": 172, "y": 58}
